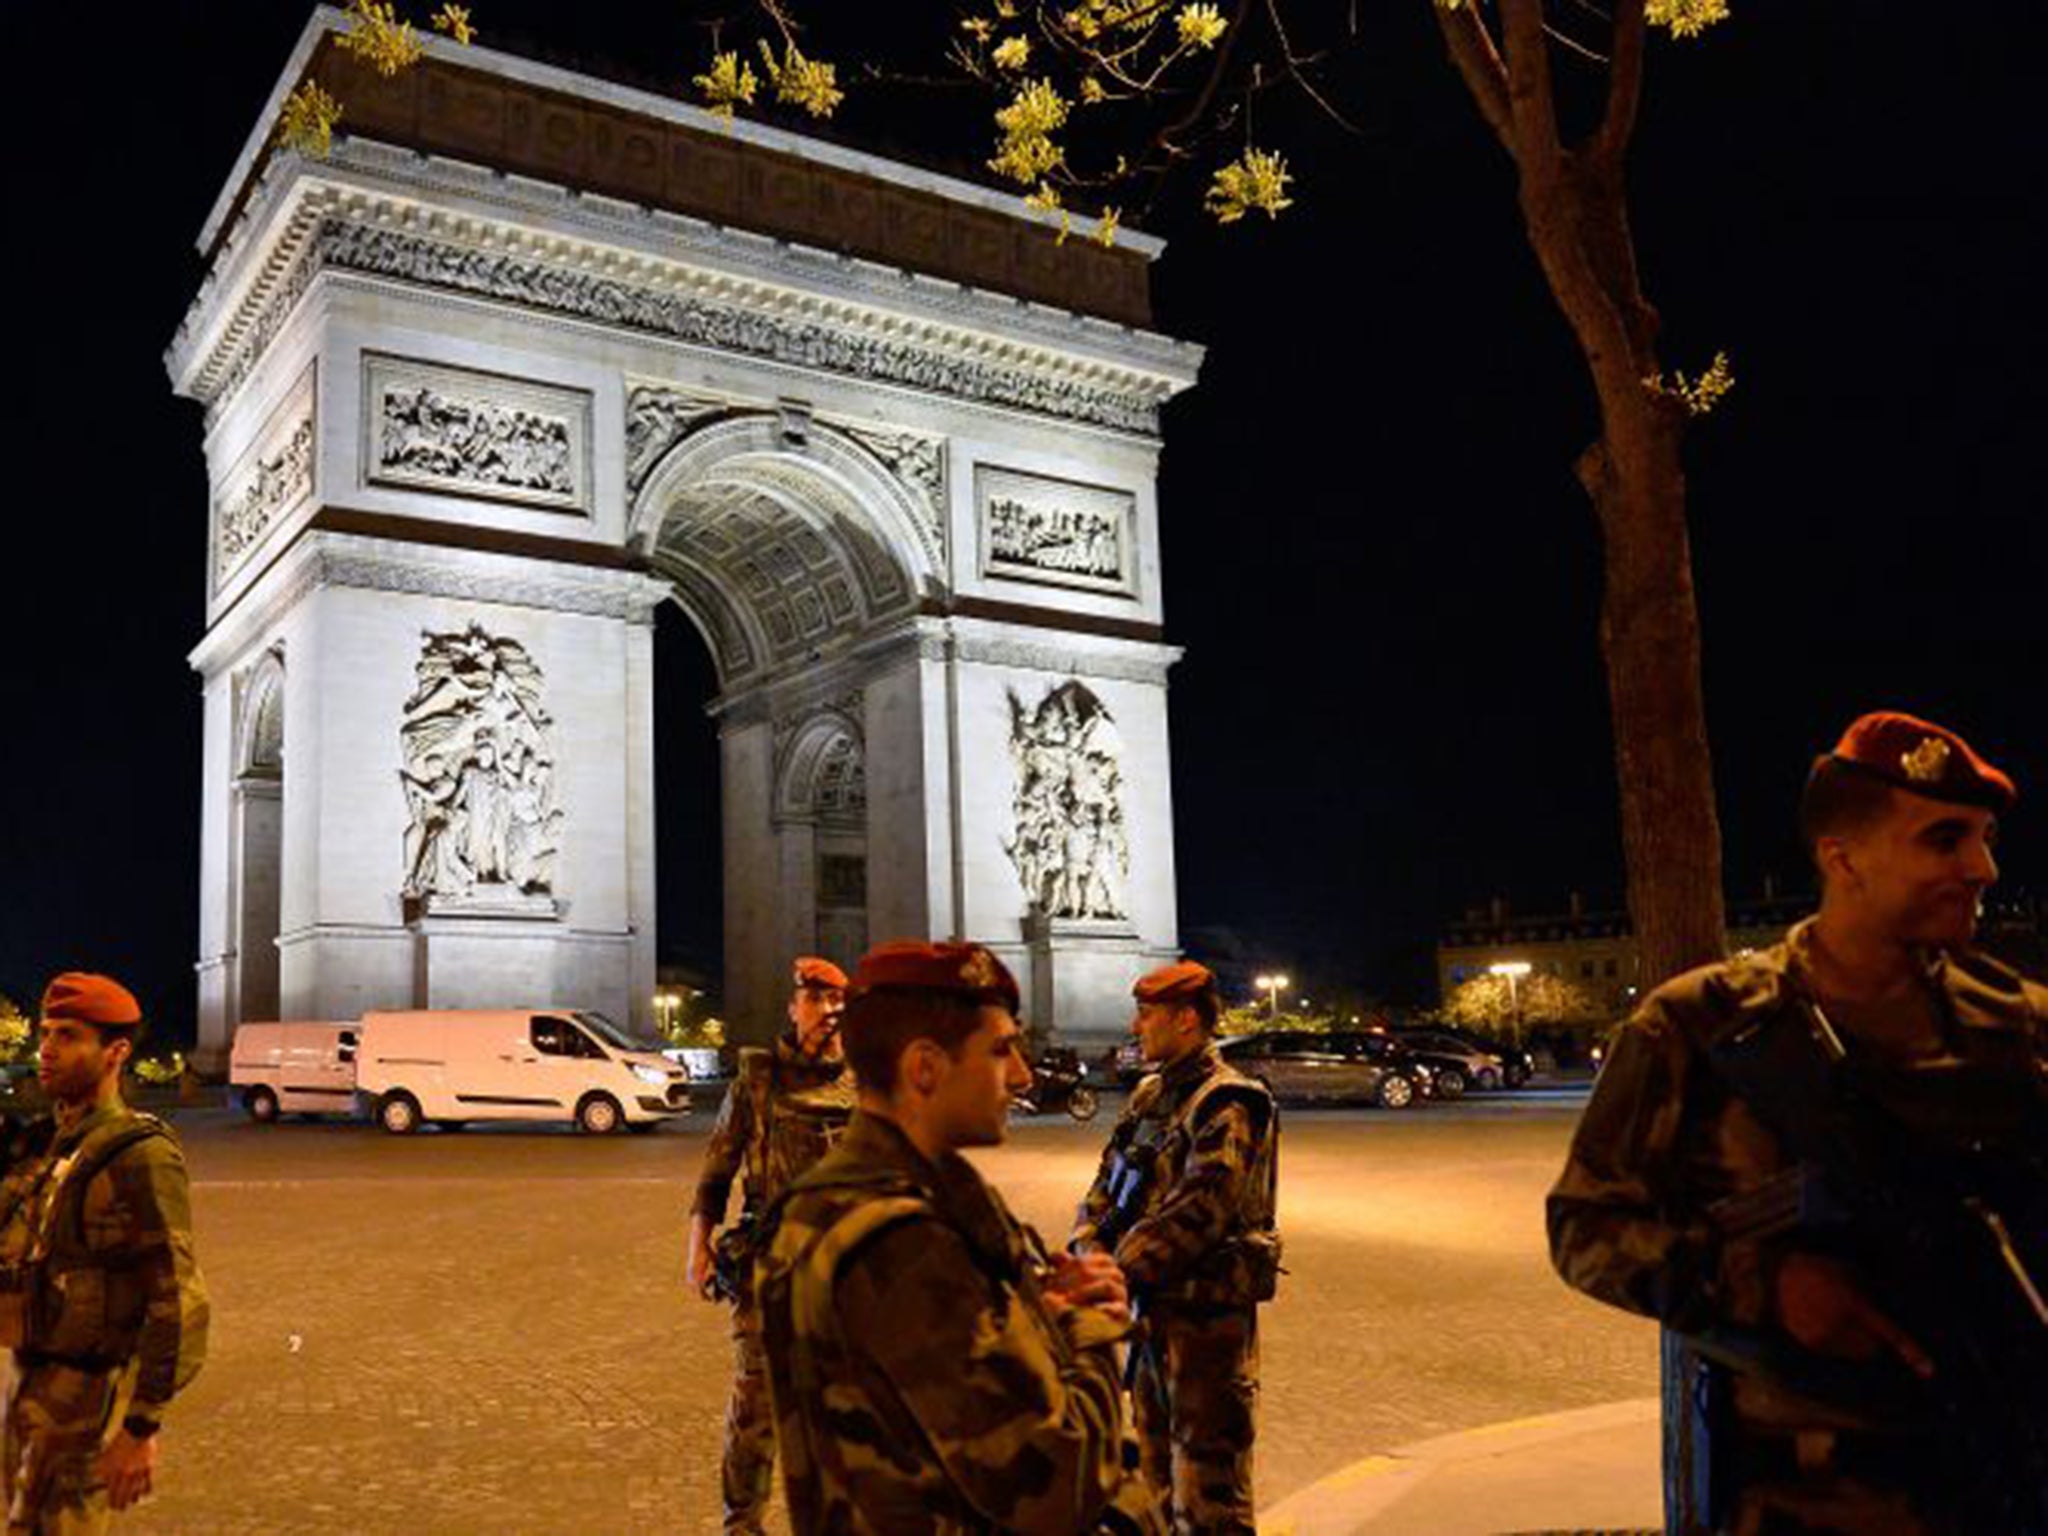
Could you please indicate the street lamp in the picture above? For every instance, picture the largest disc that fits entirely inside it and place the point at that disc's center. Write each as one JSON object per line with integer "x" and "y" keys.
{"x": 1514, "y": 970}
{"x": 1271, "y": 986}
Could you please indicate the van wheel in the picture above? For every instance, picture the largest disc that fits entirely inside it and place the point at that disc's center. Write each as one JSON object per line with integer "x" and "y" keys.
{"x": 398, "y": 1113}
{"x": 599, "y": 1115}
{"x": 262, "y": 1105}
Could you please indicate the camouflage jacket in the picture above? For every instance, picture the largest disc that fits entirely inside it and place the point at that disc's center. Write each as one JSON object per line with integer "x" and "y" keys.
{"x": 96, "y": 1233}
{"x": 781, "y": 1114}
{"x": 923, "y": 1385}
{"x": 1665, "y": 1137}
{"x": 1197, "y": 1221}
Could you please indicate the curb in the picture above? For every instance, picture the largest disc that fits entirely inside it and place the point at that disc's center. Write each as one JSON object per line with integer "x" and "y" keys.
{"x": 1557, "y": 1471}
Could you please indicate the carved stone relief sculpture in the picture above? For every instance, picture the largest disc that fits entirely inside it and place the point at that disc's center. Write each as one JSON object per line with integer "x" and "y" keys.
{"x": 916, "y": 461}
{"x": 657, "y": 418}
{"x": 475, "y": 434}
{"x": 274, "y": 476}
{"x": 1069, "y": 844}
{"x": 479, "y": 773}
{"x": 1038, "y": 529}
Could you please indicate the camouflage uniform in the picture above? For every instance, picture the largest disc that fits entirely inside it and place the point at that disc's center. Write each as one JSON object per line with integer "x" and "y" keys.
{"x": 781, "y": 1114}
{"x": 1200, "y": 1252}
{"x": 103, "y": 1303}
{"x": 1665, "y": 1137}
{"x": 923, "y": 1386}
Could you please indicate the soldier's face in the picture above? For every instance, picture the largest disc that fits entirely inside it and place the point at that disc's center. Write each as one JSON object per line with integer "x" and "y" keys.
{"x": 1164, "y": 1031}
{"x": 1918, "y": 876}
{"x": 815, "y": 1012}
{"x": 970, "y": 1101}
{"x": 72, "y": 1060}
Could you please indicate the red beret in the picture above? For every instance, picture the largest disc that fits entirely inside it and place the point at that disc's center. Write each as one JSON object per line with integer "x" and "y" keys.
{"x": 91, "y": 999}
{"x": 966, "y": 970}
{"x": 811, "y": 971}
{"x": 1180, "y": 982}
{"x": 1923, "y": 758}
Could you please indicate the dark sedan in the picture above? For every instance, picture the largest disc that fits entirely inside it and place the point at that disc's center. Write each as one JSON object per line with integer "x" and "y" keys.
{"x": 1302, "y": 1067}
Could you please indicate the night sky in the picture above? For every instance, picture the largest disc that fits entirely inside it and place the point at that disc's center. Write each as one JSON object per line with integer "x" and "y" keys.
{"x": 1377, "y": 558}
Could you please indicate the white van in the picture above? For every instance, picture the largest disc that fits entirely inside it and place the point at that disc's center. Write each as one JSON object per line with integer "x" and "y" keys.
{"x": 307, "y": 1069}
{"x": 449, "y": 1067}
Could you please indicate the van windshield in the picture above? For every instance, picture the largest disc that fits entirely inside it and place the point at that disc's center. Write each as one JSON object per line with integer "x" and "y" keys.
{"x": 611, "y": 1034}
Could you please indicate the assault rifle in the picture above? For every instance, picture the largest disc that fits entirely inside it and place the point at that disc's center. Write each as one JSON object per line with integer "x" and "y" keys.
{"x": 1931, "y": 1185}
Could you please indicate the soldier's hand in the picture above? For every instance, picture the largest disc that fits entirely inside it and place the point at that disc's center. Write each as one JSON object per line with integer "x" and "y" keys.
{"x": 1089, "y": 1280}
{"x": 699, "y": 1270}
{"x": 128, "y": 1466}
{"x": 1822, "y": 1307}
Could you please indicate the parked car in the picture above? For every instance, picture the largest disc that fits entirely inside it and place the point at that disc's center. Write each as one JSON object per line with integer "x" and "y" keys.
{"x": 1457, "y": 1063}
{"x": 1516, "y": 1063}
{"x": 1302, "y": 1067}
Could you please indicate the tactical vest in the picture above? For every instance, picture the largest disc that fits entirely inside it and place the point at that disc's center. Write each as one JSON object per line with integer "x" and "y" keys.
{"x": 794, "y": 1125}
{"x": 1244, "y": 1268}
{"x": 59, "y": 1298}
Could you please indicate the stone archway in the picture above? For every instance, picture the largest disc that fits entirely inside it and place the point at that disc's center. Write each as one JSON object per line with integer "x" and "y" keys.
{"x": 478, "y": 403}
{"x": 256, "y": 873}
{"x": 803, "y": 556}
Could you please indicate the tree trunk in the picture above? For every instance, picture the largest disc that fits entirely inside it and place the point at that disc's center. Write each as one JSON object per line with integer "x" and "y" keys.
{"x": 1649, "y": 632}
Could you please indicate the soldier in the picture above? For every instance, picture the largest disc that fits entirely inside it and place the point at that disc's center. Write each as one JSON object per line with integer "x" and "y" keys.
{"x": 1185, "y": 1201}
{"x": 933, "y": 1370}
{"x": 785, "y": 1108}
{"x": 100, "y": 1298}
{"x": 1823, "y": 1164}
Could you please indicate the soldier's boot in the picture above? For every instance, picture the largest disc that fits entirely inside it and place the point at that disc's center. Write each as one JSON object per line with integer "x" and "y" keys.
{"x": 747, "y": 1468}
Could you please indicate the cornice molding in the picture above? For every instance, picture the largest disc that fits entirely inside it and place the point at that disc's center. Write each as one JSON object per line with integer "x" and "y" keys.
{"x": 321, "y": 559}
{"x": 468, "y": 230}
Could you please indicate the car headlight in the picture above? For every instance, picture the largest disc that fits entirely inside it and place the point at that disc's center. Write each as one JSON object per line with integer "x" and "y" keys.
{"x": 652, "y": 1075}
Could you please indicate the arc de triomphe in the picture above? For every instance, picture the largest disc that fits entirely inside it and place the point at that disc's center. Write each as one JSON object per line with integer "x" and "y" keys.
{"x": 529, "y": 354}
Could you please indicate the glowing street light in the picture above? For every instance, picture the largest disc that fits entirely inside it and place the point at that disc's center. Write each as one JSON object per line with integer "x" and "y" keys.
{"x": 1272, "y": 987}
{"x": 1514, "y": 970}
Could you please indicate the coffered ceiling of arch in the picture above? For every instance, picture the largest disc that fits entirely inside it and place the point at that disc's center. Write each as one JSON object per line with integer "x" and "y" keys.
{"x": 774, "y": 569}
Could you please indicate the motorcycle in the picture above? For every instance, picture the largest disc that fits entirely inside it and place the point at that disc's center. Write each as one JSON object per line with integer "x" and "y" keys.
{"x": 1058, "y": 1082}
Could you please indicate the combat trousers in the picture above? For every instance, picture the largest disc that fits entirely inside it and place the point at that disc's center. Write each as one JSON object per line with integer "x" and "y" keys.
{"x": 1194, "y": 1392}
{"x": 58, "y": 1420}
{"x": 747, "y": 1470}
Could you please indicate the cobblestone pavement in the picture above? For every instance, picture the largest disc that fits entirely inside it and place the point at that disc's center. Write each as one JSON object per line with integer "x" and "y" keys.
{"x": 486, "y": 1332}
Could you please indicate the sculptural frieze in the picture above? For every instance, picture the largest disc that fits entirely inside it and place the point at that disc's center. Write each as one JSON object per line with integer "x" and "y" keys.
{"x": 1034, "y": 528}
{"x": 447, "y": 429}
{"x": 479, "y": 771}
{"x": 1069, "y": 843}
{"x": 344, "y": 245}
{"x": 274, "y": 476}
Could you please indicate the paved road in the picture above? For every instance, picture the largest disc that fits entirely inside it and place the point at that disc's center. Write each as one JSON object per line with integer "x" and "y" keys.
{"x": 485, "y": 1332}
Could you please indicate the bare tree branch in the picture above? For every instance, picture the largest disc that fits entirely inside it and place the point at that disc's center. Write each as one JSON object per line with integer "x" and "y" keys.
{"x": 1624, "y": 85}
{"x": 1165, "y": 138}
{"x": 1472, "y": 50}
{"x": 1530, "y": 100}
{"x": 1297, "y": 67}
